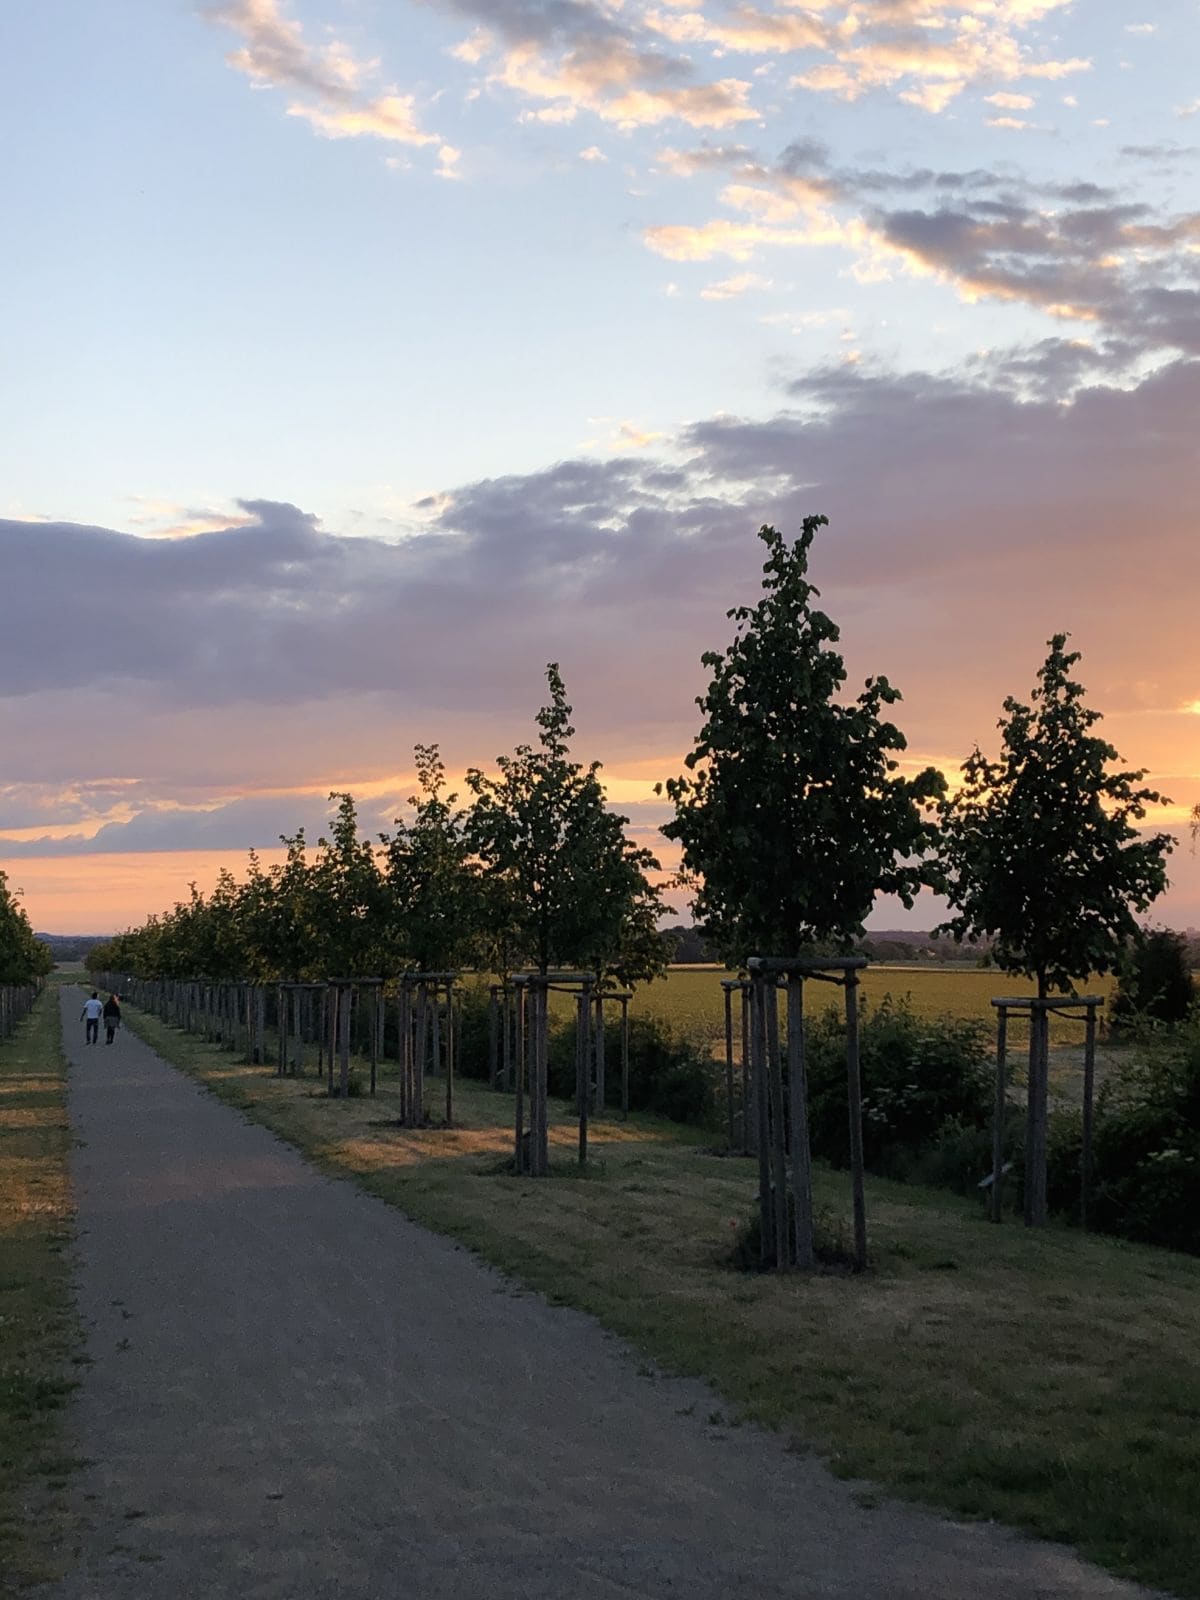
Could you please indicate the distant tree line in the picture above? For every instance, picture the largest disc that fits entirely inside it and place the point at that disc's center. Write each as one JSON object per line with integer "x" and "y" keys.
{"x": 536, "y": 871}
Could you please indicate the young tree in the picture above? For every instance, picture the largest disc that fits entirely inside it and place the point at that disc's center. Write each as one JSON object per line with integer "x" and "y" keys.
{"x": 554, "y": 858}
{"x": 431, "y": 887}
{"x": 793, "y": 815}
{"x": 1041, "y": 849}
{"x": 347, "y": 898}
{"x": 22, "y": 956}
{"x": 287, "y": 925}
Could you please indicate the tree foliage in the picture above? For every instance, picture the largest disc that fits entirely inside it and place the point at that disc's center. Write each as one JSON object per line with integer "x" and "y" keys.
{"x": 23, "y": 957}
{"x": 793, "y": 814}
{"x": 558, "y": 868}
{"x": 430, "y": 885}
{"x": 538, "y": 871}
{"x": 1041, "y": 848}
{"x": 1155, "y": 981}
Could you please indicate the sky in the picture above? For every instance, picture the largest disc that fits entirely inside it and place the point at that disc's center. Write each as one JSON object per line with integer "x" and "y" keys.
{"x": 360, "y": 357}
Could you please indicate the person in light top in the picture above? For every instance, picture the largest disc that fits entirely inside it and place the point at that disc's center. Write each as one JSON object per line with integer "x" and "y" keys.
{"x": 93, "y": 1010}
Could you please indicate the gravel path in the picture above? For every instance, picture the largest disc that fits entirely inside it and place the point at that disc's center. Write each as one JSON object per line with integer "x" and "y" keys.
{"x": 298, "y": 1393}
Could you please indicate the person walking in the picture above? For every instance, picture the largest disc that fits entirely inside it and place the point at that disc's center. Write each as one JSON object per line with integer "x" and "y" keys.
{"x": 93, "y": 1010}
{"x": 112, "y": 1017}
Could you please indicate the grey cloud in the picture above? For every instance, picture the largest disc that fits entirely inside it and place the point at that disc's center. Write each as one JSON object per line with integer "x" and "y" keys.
{"x": 1119, "y": 265}
{"x": 235, "y": 825}
{"x": 1052, "y": 368}
{"x": 265, "y": 654}
{"x": 1161, "y": 154}
{"x": 589, "y": 36}
{"x": 1075, "y": 248}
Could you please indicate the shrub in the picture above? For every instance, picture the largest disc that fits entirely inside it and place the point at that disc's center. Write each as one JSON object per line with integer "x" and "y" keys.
{"x": 918, "y": 1077}
{"x": 670, "y": 1074}
{"x": 1155, "y": 981}
{"x": 960, "y": 1157}
{"x": 1145, "y": 1152}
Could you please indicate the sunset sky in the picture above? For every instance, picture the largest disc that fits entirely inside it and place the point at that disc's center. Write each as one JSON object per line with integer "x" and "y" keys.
{"x": 358, "y": 357}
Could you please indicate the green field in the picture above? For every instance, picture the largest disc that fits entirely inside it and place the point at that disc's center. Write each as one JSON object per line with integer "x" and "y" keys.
{"x": 691, "y": 1000}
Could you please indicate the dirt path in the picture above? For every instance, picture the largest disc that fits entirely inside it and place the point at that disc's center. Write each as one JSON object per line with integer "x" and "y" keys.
{"x": 297, "y": 1393}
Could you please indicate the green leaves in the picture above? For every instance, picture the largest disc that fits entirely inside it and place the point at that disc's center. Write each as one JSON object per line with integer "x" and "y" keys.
{"x": 562, "y": 878}
{"x": 22, "y": 956}
{"x": 1040, "y": 847}
{"x": 792, "y": 813}
{"x": 432, "y": 889}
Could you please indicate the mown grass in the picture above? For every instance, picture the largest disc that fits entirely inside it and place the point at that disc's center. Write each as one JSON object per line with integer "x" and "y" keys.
{"x": 38, "y": 1332}
{"x": 1049, "y": 1381}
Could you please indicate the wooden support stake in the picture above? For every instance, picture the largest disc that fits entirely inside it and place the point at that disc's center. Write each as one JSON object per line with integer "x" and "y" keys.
{"x": 759, "y": 1051}
{"x": 801, "y": 1155}
{"x": 747, "y": 1118}
{"x": 996, "y": 1198}
{"x": 779, "y": 1153}
{"x": 544, "y": 1083}
{"x": 1089, "y": 1099}
{"x": 331, "y": 1017}
{"x": 345, "y": 1013}
{"x": 493, "y": 1037}
{"x": 509, "y": 1022}
{"x": 451, "y": 1039}
{"x": 624, "y": 1057}
{"x": 729, "y": 1060}
{"x": 1037, "y": 1118}
{"x": 376, "y": 1034}
{"x": 584, "y": 1048}
{"x": 521, "y": 998}
{"x": 854, "y": 1097}
{"x": 598, "y": 1053}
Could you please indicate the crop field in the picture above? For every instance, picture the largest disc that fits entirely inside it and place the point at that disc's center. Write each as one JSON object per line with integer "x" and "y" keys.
{"x": 691, "y": 999}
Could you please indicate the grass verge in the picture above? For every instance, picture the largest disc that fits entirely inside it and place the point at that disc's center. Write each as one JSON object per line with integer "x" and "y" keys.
{"x": 1049, "y": 1381}
{"x": 38, "y": 1332}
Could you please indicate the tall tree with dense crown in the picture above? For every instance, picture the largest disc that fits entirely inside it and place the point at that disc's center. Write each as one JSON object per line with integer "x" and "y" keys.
{"x": 793, "y": 814}
{"x": 1041, "y": 848}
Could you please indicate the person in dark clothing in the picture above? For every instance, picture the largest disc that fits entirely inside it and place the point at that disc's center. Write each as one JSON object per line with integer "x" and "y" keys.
{"x": 112, "y": 1017}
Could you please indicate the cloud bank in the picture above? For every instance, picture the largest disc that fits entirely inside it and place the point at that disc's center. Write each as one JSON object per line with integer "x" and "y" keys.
{"x": 208, "y": 689}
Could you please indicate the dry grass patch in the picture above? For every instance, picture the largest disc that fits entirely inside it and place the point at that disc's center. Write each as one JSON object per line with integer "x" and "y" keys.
{"x": 1048, "y": 1380}
{"x": 38, "y": 1332}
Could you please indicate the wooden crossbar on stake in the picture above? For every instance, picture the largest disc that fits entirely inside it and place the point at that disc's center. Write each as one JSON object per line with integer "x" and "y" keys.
{"x": 531, "y": 1153}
